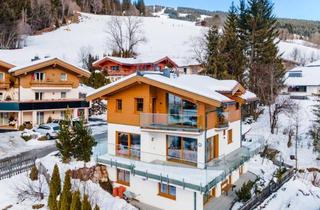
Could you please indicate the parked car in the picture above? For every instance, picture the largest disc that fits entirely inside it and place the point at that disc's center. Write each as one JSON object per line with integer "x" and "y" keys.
{"x": 61, "y": 121}
{"x": 50, "y": 130}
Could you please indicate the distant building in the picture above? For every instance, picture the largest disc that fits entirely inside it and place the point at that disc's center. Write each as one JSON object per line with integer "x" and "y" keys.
{"x": 40, "y": 90}
{"x": 303, "y": 81}
{"x": 175, "y": 141}
{"x": 119, "y": 67}
{"x": 289, "y": 64}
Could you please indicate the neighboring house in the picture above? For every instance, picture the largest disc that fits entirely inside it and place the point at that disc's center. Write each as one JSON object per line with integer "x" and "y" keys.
{"x": 303, "y": 81}
{"x": 40, "y": 90}
{"x": 117, "y": 67}
{"x": 175, "y": 142}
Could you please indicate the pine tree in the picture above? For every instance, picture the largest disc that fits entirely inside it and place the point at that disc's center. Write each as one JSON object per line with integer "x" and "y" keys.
{"x": 85, "y": 205}
{"x": 315, "y": 130}
{"x": 126, "y": 5}
{"x": 141, "y": 7}
{"x": 215, "y": 66}
{"x": 66, "y": 195}
{"x": 233, "y": 47}
{"x": 54, "y": 188}
{"x": 64, "y": 142}
{"x": 84, "y": 142}
{"x": 76, "y": 202}
{"x": 266, "y": 73}
{"x": 96, "y": 207}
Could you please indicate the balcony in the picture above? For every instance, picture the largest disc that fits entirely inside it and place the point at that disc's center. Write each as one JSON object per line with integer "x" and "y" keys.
{"x": 50, "y": 83}
{"x": 173, "y": 122}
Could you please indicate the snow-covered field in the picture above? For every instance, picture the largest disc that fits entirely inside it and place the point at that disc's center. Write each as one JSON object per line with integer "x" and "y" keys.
{"x": 165, "y": 37}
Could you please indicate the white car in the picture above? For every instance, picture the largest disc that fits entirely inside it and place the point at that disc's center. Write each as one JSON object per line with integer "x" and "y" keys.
{"x": 50, "y": 130}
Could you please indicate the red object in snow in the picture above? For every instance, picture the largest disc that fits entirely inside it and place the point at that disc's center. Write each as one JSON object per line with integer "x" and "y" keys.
{"x": 121, "y": 190}
{"x": 115, "y": 192}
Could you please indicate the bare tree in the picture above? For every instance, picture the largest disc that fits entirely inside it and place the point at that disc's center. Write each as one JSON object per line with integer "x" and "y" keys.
{"x": 125, "y": 34}
{"x": 198, "y": 45}
{"x": 32, "y": 190}
{"x": 282, "y": 104}
{"x": 96, "y": 6}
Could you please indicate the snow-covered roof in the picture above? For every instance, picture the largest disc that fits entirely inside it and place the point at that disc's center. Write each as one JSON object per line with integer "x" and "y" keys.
{"x": 309, "y": 75}
{"x": 47, "y": 60}
{"x": 135, "y": 60}
{"x": 204, "y": 86}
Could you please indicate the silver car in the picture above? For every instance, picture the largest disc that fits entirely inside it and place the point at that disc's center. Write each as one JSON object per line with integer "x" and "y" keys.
{"x": 50, "y": 130}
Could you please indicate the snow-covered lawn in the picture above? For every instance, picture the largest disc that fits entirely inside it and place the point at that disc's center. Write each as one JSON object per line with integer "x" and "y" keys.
{"x": 12, "y": 144}
{"x": 306, "y": 155}
{"x": 296, "y": 194}
{"x": 8, "y": 194}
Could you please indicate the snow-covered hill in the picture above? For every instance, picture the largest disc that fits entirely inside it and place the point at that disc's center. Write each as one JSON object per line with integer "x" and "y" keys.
{"x": 165, "y": 36}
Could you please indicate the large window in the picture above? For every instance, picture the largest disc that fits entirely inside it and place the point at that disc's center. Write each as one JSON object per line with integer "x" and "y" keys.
{"x": 40, "y": 118}
{"x": 167, "y": 191}
{"x": 115, "y": 68}
{"x": 123, "y": 177}
{"x": 212, "y": 148}
{"x": 181, "y": 112}
{"x": 128, "y": 145}
{"x": 1, "y": 76}
{"x": 301, "y": 89}
{"x": 182, "y": 149}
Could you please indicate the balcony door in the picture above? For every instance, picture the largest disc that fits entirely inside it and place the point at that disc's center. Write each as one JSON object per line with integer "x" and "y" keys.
{"x": 181, "y": 112}
{"x": 212, "y": 148}
{"x": 182, "y": 149}
{"x": 128, "y": 145}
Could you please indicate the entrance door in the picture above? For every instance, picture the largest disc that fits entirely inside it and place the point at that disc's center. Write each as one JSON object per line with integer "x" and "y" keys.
{"x": 40, "y": 118}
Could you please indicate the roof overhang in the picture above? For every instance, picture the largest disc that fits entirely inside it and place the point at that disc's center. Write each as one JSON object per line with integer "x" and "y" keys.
{"x": 6, "y": 65}
{"x": 104, "y": 93}
{"x": 50, "y": 62}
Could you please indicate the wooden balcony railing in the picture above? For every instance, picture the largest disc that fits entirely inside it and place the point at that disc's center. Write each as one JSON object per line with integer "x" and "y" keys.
{"x": 50, "y": 83}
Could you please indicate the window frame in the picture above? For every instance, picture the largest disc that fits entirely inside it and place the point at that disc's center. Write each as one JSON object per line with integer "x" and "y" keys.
{"x": 119, "y": 105}
{"x": 126, "y": 173}
{"x": 137, "y": 110}
{"x": 65, "y": 79}
{"x": 63, "y": 93}
{"x": 115, "y": 68}
{"x": 39, "y": 76}
{"x": 3, "y": 76}
{"x": 167, "y": 193}
{"x": 40, "y": 96}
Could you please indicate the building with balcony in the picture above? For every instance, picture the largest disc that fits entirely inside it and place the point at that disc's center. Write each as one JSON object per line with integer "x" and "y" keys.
{"x": 117, "y": 67}
{"x": 40, "y": 90}
{"x": 175, "y": 142}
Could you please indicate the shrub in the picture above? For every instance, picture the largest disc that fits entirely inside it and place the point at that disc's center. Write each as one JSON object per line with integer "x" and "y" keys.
{"x": 55, "y": 188}
{"x": 29, "y": 126}
{"x": 26, "y": 137}
{"x": 22, "y": 127}
{"x": 37, "y": 206}
{"x": 244, "y": 193}
{"x": 76, "y": 202}
{"x": 85, "y": 205}
{"x": 66, "y": 195}
{"x": 49, "y": 119}
{"x": 42, "y": 138}
{"x": 279, "y": 173}
{"x": 34, "y": 173}
{"x": 96, "y": 207}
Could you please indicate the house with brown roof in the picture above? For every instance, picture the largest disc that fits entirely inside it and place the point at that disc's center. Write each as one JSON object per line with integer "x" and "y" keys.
{"x": 40, "y": 90}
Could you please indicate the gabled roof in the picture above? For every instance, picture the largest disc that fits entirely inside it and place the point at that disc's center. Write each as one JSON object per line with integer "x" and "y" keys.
{"x": 134, "y": 61}
{"x": 310, "y": 75}
{"x": 35, "y": 65}
{"x": 6, "y": 65}
{"x": 200, "y": 88}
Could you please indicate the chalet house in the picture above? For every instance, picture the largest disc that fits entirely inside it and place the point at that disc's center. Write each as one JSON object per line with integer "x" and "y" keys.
{"x": 174, "y": 141}
{"x": 40, "y": 90}
{"x": 119, "y": 67}
{"x": 303, "y": 81}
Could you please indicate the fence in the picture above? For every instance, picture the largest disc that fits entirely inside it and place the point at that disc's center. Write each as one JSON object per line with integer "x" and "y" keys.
{"x": 16, "y": 165}
{"x": 271, "y": 188}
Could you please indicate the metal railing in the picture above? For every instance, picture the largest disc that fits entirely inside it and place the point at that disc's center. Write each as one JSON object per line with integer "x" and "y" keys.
{"x": 170, "y": 121}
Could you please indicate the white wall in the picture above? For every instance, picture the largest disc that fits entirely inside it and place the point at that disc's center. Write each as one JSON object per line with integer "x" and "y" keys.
{"x": 147, "y": 191}
{"x": 49, "y": 94}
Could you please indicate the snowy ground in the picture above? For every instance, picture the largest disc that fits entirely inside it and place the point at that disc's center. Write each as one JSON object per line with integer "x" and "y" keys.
{"x": 12, "y": 144}
{"x": 99, "y": 196}
{"x": 162, "y": 33}
{"x": 297, "y": 194}
{"x": 306, "y": 155}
